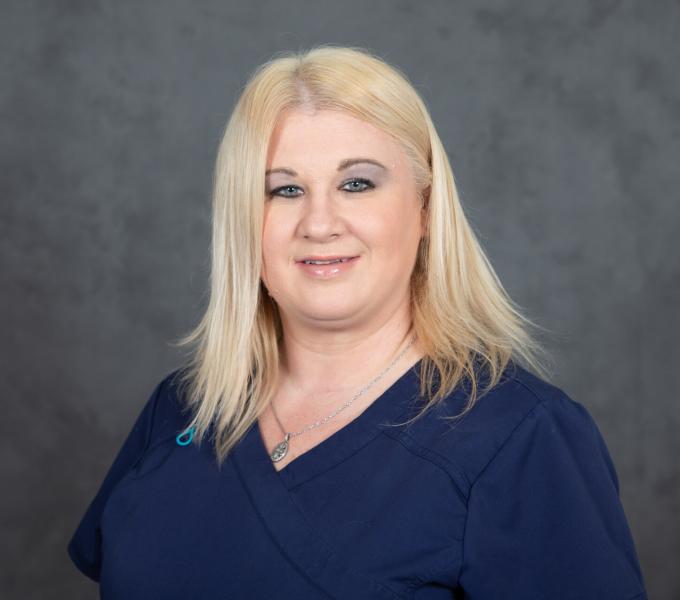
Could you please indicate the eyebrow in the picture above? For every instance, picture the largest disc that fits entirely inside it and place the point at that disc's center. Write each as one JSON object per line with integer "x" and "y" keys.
{"x": 344, "y": 164}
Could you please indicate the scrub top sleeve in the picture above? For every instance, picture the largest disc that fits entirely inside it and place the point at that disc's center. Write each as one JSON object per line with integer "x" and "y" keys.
{"x": 84, "y": 547}
{"x": 544, "y": 516}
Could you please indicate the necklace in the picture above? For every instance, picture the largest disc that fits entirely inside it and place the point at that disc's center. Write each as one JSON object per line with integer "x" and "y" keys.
{"x": 281, "y": 449}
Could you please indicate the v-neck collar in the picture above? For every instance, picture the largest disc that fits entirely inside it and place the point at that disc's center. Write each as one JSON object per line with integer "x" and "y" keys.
{"x": 269, "y": 490}
{"x": 389, "y": 407}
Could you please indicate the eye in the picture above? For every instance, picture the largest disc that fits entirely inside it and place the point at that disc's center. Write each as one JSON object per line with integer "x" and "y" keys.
{"x": 364, "y": 184}
{"x": 357, "y": 184}
{"x": 278, "y": 191}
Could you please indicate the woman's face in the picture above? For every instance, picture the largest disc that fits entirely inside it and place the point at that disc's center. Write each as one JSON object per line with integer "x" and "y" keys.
{"x": 338, "y": 187}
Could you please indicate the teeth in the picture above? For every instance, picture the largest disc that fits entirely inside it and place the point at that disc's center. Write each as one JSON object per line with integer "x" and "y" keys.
{"x": 325, "y": 262}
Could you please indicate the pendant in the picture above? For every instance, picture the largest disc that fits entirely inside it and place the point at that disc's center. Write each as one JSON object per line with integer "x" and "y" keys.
{"x": 280, "y": 450}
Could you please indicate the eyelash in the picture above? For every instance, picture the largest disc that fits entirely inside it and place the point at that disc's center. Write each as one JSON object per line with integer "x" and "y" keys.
{"x": 369, "y": 185}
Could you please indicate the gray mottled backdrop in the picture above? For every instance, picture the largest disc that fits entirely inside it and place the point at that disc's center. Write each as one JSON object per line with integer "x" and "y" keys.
{"x": 562, "y": 123}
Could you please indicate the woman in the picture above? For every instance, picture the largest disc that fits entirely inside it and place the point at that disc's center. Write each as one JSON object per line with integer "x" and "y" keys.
{"x": 356, "y": 376}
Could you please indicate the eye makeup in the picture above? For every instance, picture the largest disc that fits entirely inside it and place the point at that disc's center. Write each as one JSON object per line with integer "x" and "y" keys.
{"x": 354, "y": 185}
{"x": 364, "y": 175}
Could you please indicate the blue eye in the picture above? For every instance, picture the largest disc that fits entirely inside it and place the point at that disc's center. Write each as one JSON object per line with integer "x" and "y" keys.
{"x": 363, "y": 185}
{"x": 362, "y": 182}
{"x": 277, "y": 191}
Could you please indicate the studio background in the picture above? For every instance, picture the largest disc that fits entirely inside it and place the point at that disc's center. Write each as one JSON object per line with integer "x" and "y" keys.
{"x": 562, "y": 123}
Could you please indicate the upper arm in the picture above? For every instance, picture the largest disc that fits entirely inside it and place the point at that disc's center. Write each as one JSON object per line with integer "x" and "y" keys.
{"x": 84, "y": 547}
{"x": 544, "y": 516}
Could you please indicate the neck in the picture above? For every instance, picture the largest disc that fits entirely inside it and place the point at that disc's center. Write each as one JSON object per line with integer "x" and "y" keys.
{"x": 341, "y": 362}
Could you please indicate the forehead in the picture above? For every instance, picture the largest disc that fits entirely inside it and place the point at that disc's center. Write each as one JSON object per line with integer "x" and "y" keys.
{"x": 325, "y": 137}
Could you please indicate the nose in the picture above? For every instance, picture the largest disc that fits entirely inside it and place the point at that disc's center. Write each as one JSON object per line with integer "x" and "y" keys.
{"x": 320, "y": 218}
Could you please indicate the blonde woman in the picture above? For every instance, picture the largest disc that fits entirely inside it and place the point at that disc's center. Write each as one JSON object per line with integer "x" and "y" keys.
{"x": 364, "y": 413}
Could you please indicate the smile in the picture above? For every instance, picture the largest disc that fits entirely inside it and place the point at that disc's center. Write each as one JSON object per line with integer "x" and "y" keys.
{"x": 327, "y": 268}
{"x": 325, "y": 262}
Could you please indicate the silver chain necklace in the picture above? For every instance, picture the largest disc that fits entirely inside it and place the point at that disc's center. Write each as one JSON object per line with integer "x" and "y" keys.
{"x": 281, "y": 449}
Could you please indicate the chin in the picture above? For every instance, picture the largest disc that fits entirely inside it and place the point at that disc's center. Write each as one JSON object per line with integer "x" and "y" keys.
{"x": 329, "y": 312}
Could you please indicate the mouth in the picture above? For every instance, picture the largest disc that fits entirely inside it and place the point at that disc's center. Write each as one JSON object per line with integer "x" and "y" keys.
{"x": 324, "y": 260}
{"x": 327, "y": 267}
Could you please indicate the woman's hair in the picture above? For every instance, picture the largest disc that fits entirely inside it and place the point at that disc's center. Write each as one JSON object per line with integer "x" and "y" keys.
{"x": 465, "y": 322}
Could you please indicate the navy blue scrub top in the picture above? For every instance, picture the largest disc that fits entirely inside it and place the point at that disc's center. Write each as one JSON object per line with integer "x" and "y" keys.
{"x": 519, "y": 500}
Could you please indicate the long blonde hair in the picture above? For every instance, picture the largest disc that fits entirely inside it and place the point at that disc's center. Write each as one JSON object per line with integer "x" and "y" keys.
{"x": 462, "y": 316}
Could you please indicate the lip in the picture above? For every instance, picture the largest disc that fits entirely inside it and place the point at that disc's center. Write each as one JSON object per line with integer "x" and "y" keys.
{"x": 327, "y": 271}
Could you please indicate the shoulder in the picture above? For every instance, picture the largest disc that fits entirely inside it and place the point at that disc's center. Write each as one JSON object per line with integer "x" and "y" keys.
{"x": 162, "y": 416}
{"x": 543, "y": 512}
{"x": 519, "y": 409}
{"x": 167, "y": 408}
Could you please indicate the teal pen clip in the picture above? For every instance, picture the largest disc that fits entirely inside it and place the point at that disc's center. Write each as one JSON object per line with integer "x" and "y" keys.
{"x": 184, "y": 438}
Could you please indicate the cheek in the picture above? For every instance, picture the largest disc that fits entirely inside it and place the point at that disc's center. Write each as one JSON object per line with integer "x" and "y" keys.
{"x": 391, "y": 233}
{"x": 272, "y": 239}
{"x": 268, "y": 245}
{"x": 268, "y": 254}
